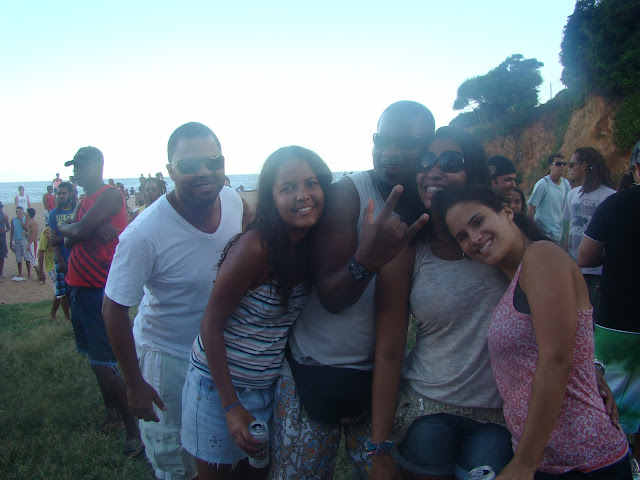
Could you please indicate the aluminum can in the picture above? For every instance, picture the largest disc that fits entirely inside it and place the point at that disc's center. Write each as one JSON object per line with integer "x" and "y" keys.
{"x": 484, "y": 472}
{"x": 260, "y": 431}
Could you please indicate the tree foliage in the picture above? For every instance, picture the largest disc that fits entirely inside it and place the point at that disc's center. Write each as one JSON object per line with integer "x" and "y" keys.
{"x": 600, "y": 50}
{"x": 511, "y": 87}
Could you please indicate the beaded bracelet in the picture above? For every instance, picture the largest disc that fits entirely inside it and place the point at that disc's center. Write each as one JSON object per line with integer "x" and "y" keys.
{"x": 380, "y": 448}
{"x": 231, "y": 406}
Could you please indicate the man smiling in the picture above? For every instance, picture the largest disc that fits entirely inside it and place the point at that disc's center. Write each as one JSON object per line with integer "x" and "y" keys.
{"x": 171, "y": 252}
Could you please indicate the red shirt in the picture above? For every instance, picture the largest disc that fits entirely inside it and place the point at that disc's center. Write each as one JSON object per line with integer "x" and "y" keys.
{"x": 49, "y": 201}
{"x": 90, "y": 259}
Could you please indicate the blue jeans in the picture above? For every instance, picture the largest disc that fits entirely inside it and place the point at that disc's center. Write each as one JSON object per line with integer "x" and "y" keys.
{"x": 616, "y": 471}
{"x": 88, "y": 325}
{"x": 442, "y": 443}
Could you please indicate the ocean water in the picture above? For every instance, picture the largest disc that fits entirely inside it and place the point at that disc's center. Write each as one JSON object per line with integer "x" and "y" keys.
{"x": 36, "y": 190}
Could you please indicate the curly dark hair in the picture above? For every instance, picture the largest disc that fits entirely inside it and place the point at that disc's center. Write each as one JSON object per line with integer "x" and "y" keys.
{"x": 597, "y": 172}
{"x": 270, "y": 225}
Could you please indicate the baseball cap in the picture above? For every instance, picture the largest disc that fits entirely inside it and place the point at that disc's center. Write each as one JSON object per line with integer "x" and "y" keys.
{"x": 86, "y": 155}
{"x": 499, "y": 165}
{"x": 635, "y": 155}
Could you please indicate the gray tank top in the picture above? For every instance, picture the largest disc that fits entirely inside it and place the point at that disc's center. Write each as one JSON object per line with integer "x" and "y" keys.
{"x": 346, "y": 339}
{"x": 453, "y": 302}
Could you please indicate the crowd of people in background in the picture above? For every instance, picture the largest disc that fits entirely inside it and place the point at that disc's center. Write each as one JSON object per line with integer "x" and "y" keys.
{"x": 295, "y": 316}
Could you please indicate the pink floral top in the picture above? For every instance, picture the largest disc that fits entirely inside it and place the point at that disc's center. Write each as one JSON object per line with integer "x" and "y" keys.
{"x": 583, "y": 438}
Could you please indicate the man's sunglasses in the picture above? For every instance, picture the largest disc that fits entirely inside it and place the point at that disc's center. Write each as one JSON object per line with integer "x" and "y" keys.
{"x": 403, "y": 143}
{"x": 192, "y": 165}
{"x": 449, "y": 162}
{"x": 559, "y": 164}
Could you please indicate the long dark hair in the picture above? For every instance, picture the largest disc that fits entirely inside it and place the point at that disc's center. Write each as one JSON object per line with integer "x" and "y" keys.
{"x": 597, "y": 172}
{"x": 269, "y": 223}
{"x": 446, "y": 199}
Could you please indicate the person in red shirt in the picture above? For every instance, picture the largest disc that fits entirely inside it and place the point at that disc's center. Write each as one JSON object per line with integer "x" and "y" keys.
{"x": 92, "y": 236}
{"x": 49, "y": 202}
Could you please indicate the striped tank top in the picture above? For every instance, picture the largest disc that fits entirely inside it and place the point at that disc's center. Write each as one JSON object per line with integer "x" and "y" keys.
{"x": 255, "y": 336}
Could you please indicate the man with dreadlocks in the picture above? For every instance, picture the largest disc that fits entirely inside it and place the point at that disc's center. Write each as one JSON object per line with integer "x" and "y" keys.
{"x": 590, "y": 174}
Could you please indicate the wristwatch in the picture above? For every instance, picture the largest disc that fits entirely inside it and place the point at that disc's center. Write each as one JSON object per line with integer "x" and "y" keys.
{"x": 599, "y": 365}
{"x": 357, "y": 271}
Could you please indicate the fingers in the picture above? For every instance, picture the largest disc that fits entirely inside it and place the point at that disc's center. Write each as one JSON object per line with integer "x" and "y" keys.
{"x": 390, "y": 204}
{"x": 417, "y": 226}
{"x": 159, "y": 403}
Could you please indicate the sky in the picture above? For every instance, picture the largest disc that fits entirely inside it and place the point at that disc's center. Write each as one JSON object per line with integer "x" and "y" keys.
{"x": 122, "y": 75}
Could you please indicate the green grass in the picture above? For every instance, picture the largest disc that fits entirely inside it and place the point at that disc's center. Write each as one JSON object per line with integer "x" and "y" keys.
{"x": 50, "y": 403}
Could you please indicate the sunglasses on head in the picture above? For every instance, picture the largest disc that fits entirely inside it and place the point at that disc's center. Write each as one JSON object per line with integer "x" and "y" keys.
{"x": 558, "y": 164}
{"x": 192, "y": 165}
{"x": 403, "y": 143}
{"x": 449, "y": 162}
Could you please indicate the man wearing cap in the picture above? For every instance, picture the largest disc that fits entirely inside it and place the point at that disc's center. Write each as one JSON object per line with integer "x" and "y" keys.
{"x": 176, "y": 272}
{"x": 93, "y": 237}
{"x": 5, "y": 226}
{"x": 615, "y": 229}
{"x": 546, "y": 203}
{"x": 503, "y": 175}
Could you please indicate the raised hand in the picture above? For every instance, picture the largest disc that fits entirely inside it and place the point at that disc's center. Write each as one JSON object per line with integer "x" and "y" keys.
{"x": 383, "y": 238}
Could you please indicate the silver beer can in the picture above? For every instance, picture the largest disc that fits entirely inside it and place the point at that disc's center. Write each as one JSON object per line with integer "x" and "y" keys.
{"x": 260, "y": 431}
{"x": 484, "y": 472}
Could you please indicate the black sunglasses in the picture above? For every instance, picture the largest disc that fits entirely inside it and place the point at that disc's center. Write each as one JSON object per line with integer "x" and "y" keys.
{"x": 558, "y": 164}
{"x": 449, "y": 162}
{"x": 573, "y": 164}
{"x": 403, "y": 143}
{"x": 191, "y": 165}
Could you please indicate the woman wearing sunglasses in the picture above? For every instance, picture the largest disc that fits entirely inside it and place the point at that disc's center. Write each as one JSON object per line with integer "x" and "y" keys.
{"x": 152, "y": 189}
{"x": 449, "y": 411}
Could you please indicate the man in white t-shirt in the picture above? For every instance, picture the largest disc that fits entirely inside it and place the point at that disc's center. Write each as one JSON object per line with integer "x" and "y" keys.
{"x": 547, "y": 199}
{"x": 590, "y": 174}
{"x": 171, "y": 251}
{"x": 22, "y": 199}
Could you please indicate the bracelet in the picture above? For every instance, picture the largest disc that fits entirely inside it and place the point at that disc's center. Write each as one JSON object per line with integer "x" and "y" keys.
{"x": 231, "y": 406}
{"x": 380, "y": 448}
{"x": 599, "y": 365}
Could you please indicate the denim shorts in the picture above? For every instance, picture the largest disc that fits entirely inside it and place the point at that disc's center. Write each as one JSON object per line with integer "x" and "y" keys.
{"x": 88, "y": 325}
{"x": 205, "y": 433}
{"x": 444, "y": 444}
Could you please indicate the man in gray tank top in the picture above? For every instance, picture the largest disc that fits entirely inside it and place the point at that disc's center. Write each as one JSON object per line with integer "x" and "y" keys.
{"x": 369, "y": 217}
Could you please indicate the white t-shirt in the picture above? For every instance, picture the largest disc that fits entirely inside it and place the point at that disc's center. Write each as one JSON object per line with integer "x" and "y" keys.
{"x": 22, "y": 201}
{"x": 176, "y": 264}
{"x": 578, "y": 211}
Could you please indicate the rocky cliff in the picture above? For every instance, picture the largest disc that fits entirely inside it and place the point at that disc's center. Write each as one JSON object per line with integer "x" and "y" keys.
{"x": 588, "y": 126}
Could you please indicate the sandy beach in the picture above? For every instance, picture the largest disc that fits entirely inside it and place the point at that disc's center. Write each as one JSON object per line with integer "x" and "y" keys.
{"x": 30, "y": 290}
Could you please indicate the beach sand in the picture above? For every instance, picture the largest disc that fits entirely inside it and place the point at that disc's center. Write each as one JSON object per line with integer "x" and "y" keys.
{"x": 30, "y": 290}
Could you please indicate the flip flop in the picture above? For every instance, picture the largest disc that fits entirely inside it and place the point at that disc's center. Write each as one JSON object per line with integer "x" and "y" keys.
{"x": 132, "y": 448}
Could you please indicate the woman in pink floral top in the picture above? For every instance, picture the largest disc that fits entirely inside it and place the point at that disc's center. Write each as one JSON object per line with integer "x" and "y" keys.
{"x": 540, "y": 343}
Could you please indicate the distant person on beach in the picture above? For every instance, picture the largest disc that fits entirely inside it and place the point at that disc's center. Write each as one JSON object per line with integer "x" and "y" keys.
{"x": 18, "y": 242}
{"x": 111, "y": 182}
{"x": 32, "y": 239}
{"x": 547, "y": 200}
{"x": 502, "y": 172}
{"x": 132, "y": 192}
{"x": 171, "y": 251}
{"x": 63, "y": 213}
{"x": 240, "y": 188}
{"x": 47, "y": 267}
{"x": 324, "y": 390}
{"x": 49, "y": 202}
{"x": 56, "y": 181}
{"x": 227, "y": 182}
{"x": 93, "y": 236}
{"x": 22, "y": 199}
{"x": 159, "y": 176}
{"x": 5, "y": 226}
{"x": 153, "y": 189}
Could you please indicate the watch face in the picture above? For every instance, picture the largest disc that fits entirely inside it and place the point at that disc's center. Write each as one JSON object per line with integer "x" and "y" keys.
{"x": 356, "y": 271}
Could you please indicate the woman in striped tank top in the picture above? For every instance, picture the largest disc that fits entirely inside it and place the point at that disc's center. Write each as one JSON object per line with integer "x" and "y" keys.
{"x": 540, "y": 343}
{"x": 260, "y": 288}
